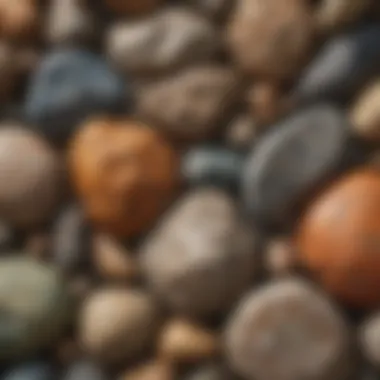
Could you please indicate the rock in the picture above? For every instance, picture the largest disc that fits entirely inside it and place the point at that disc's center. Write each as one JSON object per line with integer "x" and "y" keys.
{"x": 212, "y": 165}
{"x": 116, "y": 324}
{"x": 84, "y": 370}
{"x": 31, "y": 371}
{"x": 155, "y": 370}
{"x": 183, "y": 341}
{"x": 70, "y": 239}
{"x": 241, "y": 132}
{"x": 337, "y": 238}
{"x": 68, "y": 86}
{"x": 30, "y": 173}
{"x": 369, "y": 339}
{"x": 112, "y": 261}
{"x": 288, "y": 330}
{"x": 132, "y": 7}
{"x": 333, "y": 15}
{"x": 291, "y": 160}
{"x": 19, "y": 20}
{"x": 280, "y": 257}
{"x": 124, "y": 172}
{"x": 35, "y": 306}
{"x": 365, "y": 114}
{"x": 69, "y": 22}
{"x": 212, "y": 372}
{"x": 170, "y": 39}
{"x": 342, "y": 66}
{"x": 270, "y": 39}
{"x": 191, "y": 104}
{"x": 214, "y": 245}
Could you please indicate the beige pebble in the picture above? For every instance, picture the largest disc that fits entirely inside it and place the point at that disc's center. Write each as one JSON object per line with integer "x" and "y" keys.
{"x": 241, "y": 131}
{"x": 279, "y": 257}
{"x": 369, "y": 339}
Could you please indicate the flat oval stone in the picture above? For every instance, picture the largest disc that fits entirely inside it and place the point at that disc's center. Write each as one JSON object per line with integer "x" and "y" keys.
{"x": 68, "y": 86}
{"x": 84, "y": 370}
{"x": 288, "y": 330}
{"x": 31, "y": 371}
{"x": 344, "y": 64}
{"x": 208, "y": 165}
{"x": 291, "y": 160}
{"x": 35, "y": 306}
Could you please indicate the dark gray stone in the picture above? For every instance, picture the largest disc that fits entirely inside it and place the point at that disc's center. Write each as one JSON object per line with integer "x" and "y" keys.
{"x": 216, "y": 166}
{"x": 31, "y": 371}
{"x": 84, "y": 370}
{"x": 343, "y": 65}
{"x": 70, "y": 85}
{"x": 292, "y": 160}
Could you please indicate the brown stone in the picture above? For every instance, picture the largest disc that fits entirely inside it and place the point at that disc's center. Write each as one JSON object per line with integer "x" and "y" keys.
{"x": 338, "y": 238}
{"x": 270, "y": 38}
{"x": 242, "y": 131}
{"x": 155, "y": 370}
{"x": 279, "y": 257}
{"x": 125, "y": 174}
{"x": 182, "y": 341}
{"x": 112, "y": 261}
{"x": 128, "y": 7}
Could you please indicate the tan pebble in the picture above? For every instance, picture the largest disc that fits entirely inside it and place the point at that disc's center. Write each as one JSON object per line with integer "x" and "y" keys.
{"x": 279, "y": 257}
{"x": 112, "y": 261}
{"x": 154, "y": 370}
{"x": 242, "y": 131}
{"x": 182, "y": 341}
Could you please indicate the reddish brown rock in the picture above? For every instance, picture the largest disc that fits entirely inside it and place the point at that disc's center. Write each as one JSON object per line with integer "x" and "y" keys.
{"x": 124, "y": 172}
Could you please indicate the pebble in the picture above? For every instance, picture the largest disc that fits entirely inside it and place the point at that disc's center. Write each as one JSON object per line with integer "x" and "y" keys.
{"x": 280, "y": 257}
{"x": 31, "y": 181}
{"x": 270, "y": 39}
{"x": 212, "y": 166}
{"x": 365, "y": 114}
{"x": 291, "y": 160}
{"x": 242, "y": 131}
{"x": 191, "y": 104}
{"x": 341, "y": 67}
{"x": 154, "y": 370}
{"x": 124, "y": 172}
{"x": 183, "y": 341}
{"x": 84, "y": 370}
{"x": 31, "y": 371}
{"x": 19, "y": 21}
{"x": 170, "y": 39}
{"x": 35, "y": 306}
{"x": 369, "y": 339}
{"x": 116, "y": 324}
{"x": 337, "y": 238}
{"x": 70, "y": 239}
{"x": 334, "y": 15}
{"x": 112, "y": 261}
{"x": 288, "y": 330}
{"x": 201, "y": 242}
{"x": 70, "y": 85}
{"x": 132, "y": 7}
{"x": 69, "y": 22}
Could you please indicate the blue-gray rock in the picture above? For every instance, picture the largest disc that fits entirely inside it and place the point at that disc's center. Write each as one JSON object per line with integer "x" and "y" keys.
{"x": 70, "y": 85}
{"x": 84, "y": 370}
{"x": 343, "y": 65}
{"x": 216, "y": 166}
{"x": 291, "y": 160}
{"x": 31, "y": 371}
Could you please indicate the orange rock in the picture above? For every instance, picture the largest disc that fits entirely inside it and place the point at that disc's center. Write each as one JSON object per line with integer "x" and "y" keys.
{"x": 339, "y": 238}
{"x": 125, "y": 174}
{"x": 132, "y": 6}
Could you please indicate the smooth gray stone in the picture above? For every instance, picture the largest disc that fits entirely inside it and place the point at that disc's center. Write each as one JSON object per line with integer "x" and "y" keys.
{"x": 342, "y": 65}
{"x": 292, "y": 160}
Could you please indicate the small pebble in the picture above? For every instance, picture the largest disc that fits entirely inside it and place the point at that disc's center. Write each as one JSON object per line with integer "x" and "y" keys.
{"x": 288, "y": 330}
{"x": 369, "y": 339}
{"x": 35, "y": 306}
{"x": 84, "y": 370}
{"x": 341, "y": 67}
{"x": 31, "y": 371}
{"x": 30, "y": 173}
{"x": 291, "y": 160}
{"x": 172, "y": 38}
{"x": 112, "y": 261}
{"x": 155, "y": 370}
{"x": 116, "y": 324}
{"x": 280, "y": 257}
{"x": 192, "y": 104}
{"x": 124, "y": 172}
{"x": 183, "y": 341}
{"x": 242, "y": 131}
{"x": 212, "y": 165}
{"x": 338, "y": 238}
{"x": 199, "y": 244}
{"x": 270, "y": 39}
{"x": 70, "y": 85}
{"x": 365, "y": 114}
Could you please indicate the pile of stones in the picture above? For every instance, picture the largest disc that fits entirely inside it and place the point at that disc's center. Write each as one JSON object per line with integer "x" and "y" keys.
{"x": 189, "y": 189}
